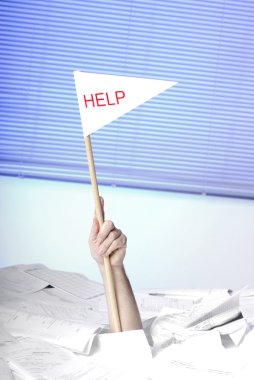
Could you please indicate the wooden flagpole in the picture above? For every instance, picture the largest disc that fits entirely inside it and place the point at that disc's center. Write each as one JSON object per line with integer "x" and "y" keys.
{"x": 109, "y": 281}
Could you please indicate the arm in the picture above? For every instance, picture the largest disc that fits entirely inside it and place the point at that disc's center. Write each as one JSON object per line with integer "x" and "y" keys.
{"x": 110, "y": 241}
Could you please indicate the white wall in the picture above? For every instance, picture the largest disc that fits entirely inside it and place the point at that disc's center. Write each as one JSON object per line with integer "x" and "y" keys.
{"x": 174, "y": 240}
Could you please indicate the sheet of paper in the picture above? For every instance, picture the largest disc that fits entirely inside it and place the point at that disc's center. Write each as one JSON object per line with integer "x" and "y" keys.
{"x": 17, "y": 376}
{"x": 169, "y": 328}
{"x": 246, "y": 350}
{"x": 194, "y": 294}
{"x": 81, "y": 313}
{"x": 235, "y": 330}
{"x": 151, "y": 302}
{"x": 122, "y": 350}
{"x": 113, "y": 356}
{"x": 247, "y": 305}
{"x": 73, "y": 283}
{"x": 82, "y": 369}
{"x": 73, "y": 335}
{"x": 150, "y": 305}
{"x": 24, "y": 267}
{"x": 5, "y": 336}
{"x": 5, "y": 370}
{"x": 55, "y": 296}
{"x": 203, "y": 353}
{"x": 205, "y": 316}
{"x": 176, "y": 325}
{"x": 31, "y": 357}
{"x": 14, "y": 282}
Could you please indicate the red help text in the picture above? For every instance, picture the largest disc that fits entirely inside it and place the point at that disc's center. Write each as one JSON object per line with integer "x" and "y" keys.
{"x": 103, "y": 99}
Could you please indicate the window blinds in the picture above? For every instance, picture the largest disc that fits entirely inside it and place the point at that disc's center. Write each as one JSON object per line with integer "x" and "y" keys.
{"x": 196, "y": 137}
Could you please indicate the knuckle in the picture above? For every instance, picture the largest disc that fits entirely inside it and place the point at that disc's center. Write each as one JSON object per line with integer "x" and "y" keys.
{"x": 114, "y": 234}
{"x": 109, "y": 224}
{"x": 101, "y": 251}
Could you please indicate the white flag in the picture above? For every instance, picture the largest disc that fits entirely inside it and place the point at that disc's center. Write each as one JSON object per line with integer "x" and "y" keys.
{"x": 104, "y": 98}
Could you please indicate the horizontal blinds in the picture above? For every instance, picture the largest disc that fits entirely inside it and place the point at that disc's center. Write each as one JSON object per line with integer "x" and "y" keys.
{"x": 196, "y": 137}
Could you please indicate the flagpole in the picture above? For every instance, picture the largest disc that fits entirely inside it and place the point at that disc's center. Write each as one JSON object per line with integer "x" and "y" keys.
{"x": 109, "y": 281}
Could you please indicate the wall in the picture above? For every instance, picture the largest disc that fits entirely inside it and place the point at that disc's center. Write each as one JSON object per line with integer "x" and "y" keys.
{"x": 174, "y": 240}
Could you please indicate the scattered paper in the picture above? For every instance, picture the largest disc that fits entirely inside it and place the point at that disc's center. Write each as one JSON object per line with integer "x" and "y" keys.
{"x": 52, "y": 324}
{"x": 14, "y": 282}
{"x": 72, "y": 283}
{"x": 31, "y": 357}
{"x": 5, "y": 371}
{"x": 73, "y": 335}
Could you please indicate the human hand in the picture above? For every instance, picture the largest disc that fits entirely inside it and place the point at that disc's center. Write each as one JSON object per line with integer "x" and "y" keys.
{"x": 107, "y": 241}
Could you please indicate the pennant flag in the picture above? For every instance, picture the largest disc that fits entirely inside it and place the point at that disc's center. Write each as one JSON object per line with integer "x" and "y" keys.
{"x": 104, "y": 98}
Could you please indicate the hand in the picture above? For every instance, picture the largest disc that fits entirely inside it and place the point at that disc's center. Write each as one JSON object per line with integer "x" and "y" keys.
{"x": 107, "y": 241}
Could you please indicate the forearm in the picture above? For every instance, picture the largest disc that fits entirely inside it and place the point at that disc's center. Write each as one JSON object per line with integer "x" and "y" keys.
{"x": 127, "y": 306}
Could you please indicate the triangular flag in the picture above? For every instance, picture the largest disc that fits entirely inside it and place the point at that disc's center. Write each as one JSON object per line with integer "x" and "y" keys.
{"x": 104, "y": 98}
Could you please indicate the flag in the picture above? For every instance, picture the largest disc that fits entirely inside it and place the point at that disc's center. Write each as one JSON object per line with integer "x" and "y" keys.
{"x": 103, "y": 98}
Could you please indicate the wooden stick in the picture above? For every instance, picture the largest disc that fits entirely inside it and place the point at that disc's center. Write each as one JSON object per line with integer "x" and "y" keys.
{"x": 109, "y": 281}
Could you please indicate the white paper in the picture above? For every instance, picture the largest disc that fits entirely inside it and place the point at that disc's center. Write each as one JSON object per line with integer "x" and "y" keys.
{"x": 203, "y": 352}
{"x": 113, "y": 355}
{"x": 247, "y": 305}
{"x": 122, "y": 350}
{"x": 206, "y": 316}
{"x": 15, "y": 282}
{"x": 194, "y": 294}
{"x": 72, "y": 283}
{"x": 73, "y": 335}
{"x": 150, "y": 305}
{"x": 103, "y": 98}
{"x": 246, "y": 348}
{"x": 31, "y": 357}
{"x": 81, "y": 313}
{"x": 82, "y": 368}
{"x": 5, "y": 336}
{"x": 236, "y": 330}
{"x": 5, "y": 371}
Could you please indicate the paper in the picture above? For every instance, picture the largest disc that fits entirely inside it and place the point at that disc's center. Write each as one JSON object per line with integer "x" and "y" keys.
{"x": 15, "y": 282}
{"x": 246, "y": 350}
{"x": 104, "y": 98}
{"x": 5, "y": 336}
{"x": 122, "y": 350}
{"x": 151, "y": 302}
{"x": 82, "y": 369}
{"x": 113, "y": 355}
{"x": 247, "y": 305}
{"x": 72, "y": 283}
{"x": 52, "y": 333}
{"x": 234, "y": 330}
{"x": 205, "y": 316}
{"x": 150, "y": 305}
{"x": 195, "y": 294}
{"x": 81, "y": 313}
{"x": 31, "y": 357}
{"x": 73, "y": 335}
{"x": 174, "y": 325}
{"x": 201, "y": 354}
{"x": 5, "y": 371}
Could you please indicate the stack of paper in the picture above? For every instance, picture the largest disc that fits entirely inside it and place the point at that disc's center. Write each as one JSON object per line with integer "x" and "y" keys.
{"x": 51, "y": 325}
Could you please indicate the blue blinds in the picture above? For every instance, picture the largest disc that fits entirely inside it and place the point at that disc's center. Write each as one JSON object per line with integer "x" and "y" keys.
{"x": 196, "y": 137}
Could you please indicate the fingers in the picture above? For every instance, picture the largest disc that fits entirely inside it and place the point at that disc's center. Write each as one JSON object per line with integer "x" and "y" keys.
{"x": 106, "y": 239}
{"x": 111, "y": 243}
{"x": 105, "y": 230}
{"x": 119, "y": 243}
